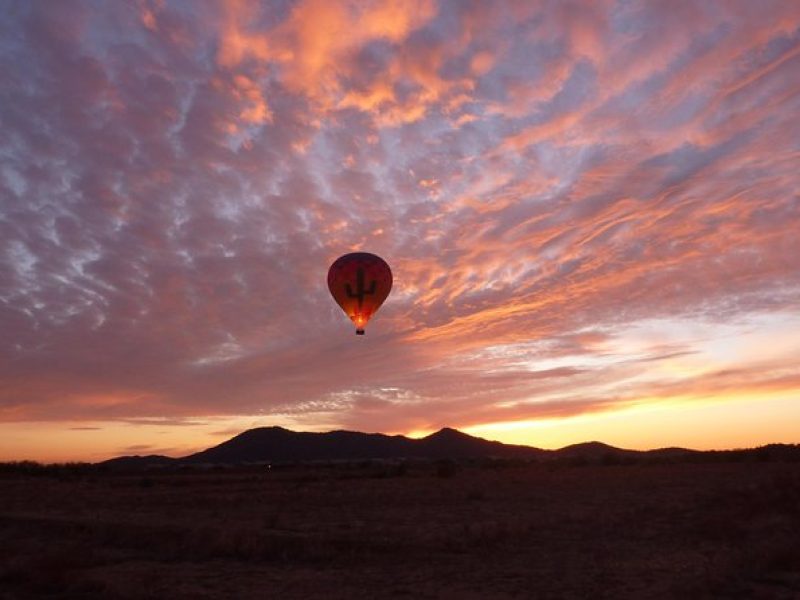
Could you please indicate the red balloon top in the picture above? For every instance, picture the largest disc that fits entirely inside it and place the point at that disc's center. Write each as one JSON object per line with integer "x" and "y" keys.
{"x": 359, "y": 282}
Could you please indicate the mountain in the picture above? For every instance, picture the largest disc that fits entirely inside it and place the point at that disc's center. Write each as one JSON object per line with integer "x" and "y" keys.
{"x": 279, "y": 445}
{"x": 276, "y": 444}
{"x": 451, "y": 443}
{"x": 593, "y": 450}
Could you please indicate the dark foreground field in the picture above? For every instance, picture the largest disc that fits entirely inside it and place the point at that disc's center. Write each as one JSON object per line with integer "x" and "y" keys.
{"x": 369, "y": 531}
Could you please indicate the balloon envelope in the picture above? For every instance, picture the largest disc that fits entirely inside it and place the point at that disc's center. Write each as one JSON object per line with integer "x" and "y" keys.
{"x": 359, "y": 282}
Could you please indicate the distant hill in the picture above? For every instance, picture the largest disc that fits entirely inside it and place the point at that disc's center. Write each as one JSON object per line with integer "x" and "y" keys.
{"x": 279, "y": 445}
{"x": 276, "y": 444}
{"x": 592, "y": 449}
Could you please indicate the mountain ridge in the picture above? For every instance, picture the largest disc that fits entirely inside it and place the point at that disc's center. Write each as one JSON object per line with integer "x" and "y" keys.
{"x": 269, "y": 444}
{"x": 274, "y": 444}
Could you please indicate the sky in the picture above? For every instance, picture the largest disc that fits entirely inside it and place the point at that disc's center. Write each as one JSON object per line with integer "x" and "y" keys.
{"x": 590, "y": 209}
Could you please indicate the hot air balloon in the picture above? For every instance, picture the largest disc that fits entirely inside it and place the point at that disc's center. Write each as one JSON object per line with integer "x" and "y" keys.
{"x": 359, "y": 282}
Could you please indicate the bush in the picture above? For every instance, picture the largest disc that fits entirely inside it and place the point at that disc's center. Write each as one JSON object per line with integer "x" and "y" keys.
{"x": 446, "y": 469}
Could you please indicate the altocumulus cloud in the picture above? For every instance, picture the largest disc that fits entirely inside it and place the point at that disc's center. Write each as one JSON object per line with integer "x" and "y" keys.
{"x": 543, "y": 177}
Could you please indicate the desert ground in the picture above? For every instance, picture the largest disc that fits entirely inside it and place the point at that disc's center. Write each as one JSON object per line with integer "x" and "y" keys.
{"x": 434, "y": 530}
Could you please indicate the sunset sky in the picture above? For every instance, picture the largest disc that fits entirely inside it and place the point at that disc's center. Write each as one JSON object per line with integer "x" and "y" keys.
{"x": 591, "y": 210}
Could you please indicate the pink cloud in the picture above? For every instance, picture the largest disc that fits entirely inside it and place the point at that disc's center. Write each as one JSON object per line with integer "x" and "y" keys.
{"x": 541, "y": 178}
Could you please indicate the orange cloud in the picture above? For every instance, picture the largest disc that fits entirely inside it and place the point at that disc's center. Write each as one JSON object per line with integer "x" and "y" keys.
{"x": 314, "y": 46}
{"x": 255, "y": 108}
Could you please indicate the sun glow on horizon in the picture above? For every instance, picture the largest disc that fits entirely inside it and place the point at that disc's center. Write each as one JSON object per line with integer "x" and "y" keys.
{"x": 738, "y": 422}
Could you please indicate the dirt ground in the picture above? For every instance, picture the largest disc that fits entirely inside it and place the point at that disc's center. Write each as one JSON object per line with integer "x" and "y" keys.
{"x": 420, "y": 531}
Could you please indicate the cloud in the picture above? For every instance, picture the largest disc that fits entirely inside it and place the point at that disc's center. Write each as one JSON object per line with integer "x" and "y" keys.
{"x": 331, "y": 53}
{"x": 148, "y": 449}
{"x": 542, "y": 178}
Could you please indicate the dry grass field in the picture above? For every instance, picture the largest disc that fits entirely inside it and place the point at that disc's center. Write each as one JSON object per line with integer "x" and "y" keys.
{"x": 423, "y": 531}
